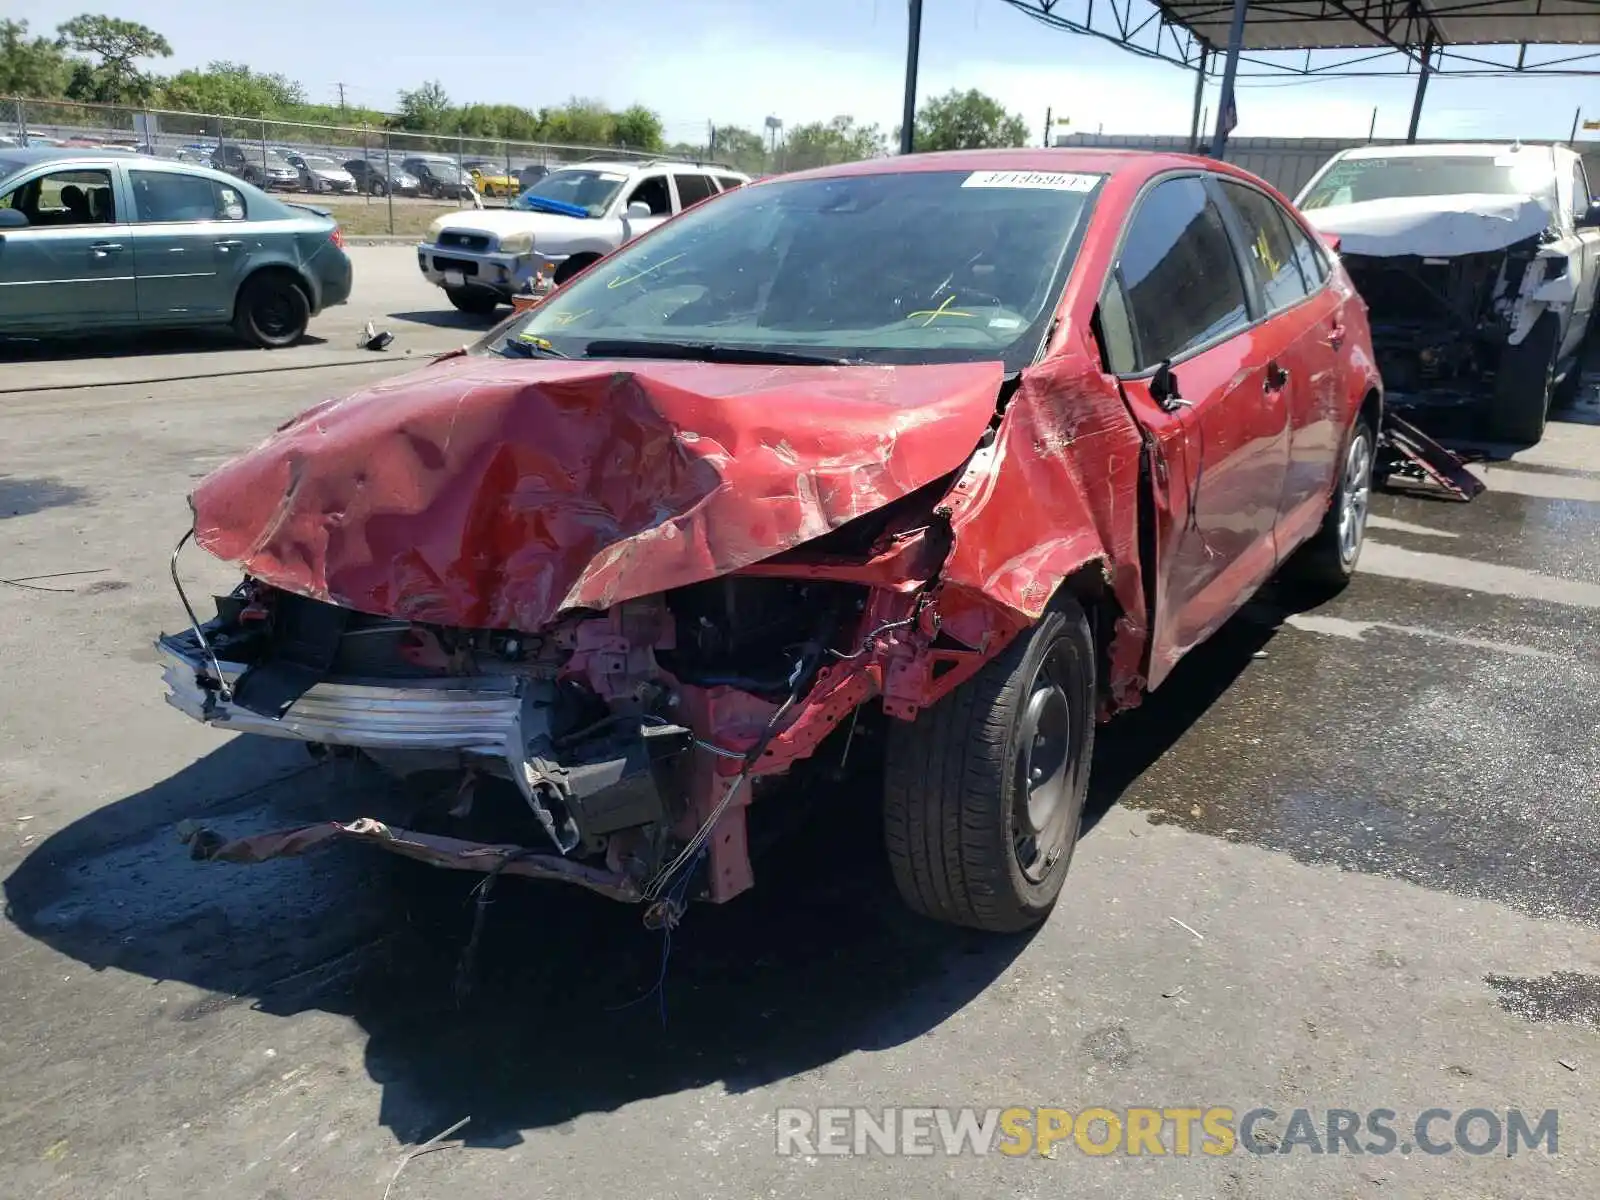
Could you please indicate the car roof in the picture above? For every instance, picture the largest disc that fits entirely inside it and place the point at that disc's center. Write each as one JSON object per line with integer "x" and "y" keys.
{"x": 31, "y": 157}
{"x": 1085, "y": 161}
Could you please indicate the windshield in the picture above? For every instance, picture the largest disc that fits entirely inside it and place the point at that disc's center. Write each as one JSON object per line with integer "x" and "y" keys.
{"x": 591, "y": 191}
{"x": 1513, "y": 173}
{"x": 442, "y": 168}
{"x": 276, "y": 161}
{"x": 317, "y": 162}
{"x": 915, "y": 267}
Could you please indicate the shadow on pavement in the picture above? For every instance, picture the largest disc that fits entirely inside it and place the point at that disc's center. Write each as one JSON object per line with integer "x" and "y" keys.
{"x": 449, "y": 318}
{"x": 565, "y": 1015}
{"x": 21, "y": 495}
{"x": 131, "y": 344}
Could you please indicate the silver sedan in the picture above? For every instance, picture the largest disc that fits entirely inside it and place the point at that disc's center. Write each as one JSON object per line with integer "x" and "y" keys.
{"x": 90, "y": 241}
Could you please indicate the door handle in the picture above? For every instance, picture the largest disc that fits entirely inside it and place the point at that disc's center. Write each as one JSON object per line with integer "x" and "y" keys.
{"x": 104, "y": 249}
{"x": 227, "y": 244}
{"x": 1335, "y": 336}
{"x": 1276, "y": 378}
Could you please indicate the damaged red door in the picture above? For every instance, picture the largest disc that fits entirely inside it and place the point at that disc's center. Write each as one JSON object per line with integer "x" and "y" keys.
{"x": 1197, "y": 379}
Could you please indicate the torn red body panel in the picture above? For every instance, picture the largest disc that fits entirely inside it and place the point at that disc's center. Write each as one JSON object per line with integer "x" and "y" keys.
{"x": 495, "y": 495}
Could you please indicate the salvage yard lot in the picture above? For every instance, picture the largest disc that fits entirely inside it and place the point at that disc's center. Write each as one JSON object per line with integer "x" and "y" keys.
{"x": 1346, "y": 857}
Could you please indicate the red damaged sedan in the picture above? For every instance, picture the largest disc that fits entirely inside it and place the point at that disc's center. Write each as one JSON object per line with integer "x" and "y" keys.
{"x": 949, "y": 456}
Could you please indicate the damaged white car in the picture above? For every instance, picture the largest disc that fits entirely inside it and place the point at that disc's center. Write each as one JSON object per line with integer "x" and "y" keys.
{"x": 1478, "y": 265}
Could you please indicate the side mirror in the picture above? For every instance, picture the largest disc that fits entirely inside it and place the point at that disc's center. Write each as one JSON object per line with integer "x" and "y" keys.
{"x": 11, "y": 218}
{"x": 1591, "y": 217}
{"x": 1164, "y": 388}
{"x": 638, "y": 209}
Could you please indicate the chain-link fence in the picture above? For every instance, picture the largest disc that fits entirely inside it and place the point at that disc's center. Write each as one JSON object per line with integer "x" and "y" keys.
{"x": 377, "y": 180}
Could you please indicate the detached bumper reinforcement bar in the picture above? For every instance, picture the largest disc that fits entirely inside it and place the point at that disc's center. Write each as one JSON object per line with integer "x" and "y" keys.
{"x": 454, "y": 854}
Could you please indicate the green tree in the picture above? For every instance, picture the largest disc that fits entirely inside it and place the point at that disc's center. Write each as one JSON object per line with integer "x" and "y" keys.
{"x": 741, "y": 148}
{"x": 822, "y": 143}
{"x": 30, "y": 66}
{"x": 234, "y": 90}
{"x": 581, "y": 122}
{"x": 637, "y": 128}
{"x": 113, "y": 75}
{"x": 425, "y": 109}
{"x": 967, "y": 120}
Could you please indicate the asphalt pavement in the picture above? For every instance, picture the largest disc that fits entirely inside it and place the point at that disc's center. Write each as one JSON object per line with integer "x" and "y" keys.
{"x": 1346, "y": 858}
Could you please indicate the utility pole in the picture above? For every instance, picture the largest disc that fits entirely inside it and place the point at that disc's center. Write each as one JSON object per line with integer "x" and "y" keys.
{"x": 1048, "y": 113}
{"x": 340, "y": 86}
{"x": 1576, "y": 117}
{"x": 908, "y": 116}
{"x": 1372, "y": 129}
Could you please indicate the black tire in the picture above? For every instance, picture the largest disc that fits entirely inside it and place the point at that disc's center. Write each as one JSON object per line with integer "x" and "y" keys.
{"x": 1328, "y": 560}
{"x": 475, "y": 301}
{"x": 964, "y": 841}
{"x": 272, "y": 311}
{"x": 1524, "y": 385}
{"x": 578, "y": 262}
{"x": 380, "y": 188}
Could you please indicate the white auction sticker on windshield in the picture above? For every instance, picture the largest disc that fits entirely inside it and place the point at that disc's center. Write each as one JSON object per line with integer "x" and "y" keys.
{"x": 1047, "y": 181}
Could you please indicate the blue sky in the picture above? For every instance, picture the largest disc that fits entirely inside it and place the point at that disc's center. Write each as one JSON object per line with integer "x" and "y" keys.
{"x": 736, "y": 61}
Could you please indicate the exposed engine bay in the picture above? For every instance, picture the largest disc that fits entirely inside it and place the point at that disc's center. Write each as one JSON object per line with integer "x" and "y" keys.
{"x": 1440, "y": 325}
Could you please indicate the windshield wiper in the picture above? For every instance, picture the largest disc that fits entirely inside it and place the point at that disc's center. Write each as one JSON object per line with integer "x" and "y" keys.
{"x": 707, "y": 352}
{"x": 524, "y": 348}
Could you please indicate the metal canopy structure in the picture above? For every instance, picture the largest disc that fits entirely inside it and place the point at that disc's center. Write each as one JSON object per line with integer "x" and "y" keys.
{"x": 1330, "y": 38}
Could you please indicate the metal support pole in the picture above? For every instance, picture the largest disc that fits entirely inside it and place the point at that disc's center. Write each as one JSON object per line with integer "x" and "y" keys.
{"x": 908, "y": 116}
{"x": 1372, "y": 126}
{"x": 1422, "y": 87}
{"x": 1199, "y": 95}
{"x": 1226, "y": 107}
{"x": 388, "y": 180}
{"x": 1576, "y": 116}
{"x": 1049, "y": 113}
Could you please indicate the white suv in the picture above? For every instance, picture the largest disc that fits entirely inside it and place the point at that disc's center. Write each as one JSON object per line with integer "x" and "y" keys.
{"x": 572, "y": 217}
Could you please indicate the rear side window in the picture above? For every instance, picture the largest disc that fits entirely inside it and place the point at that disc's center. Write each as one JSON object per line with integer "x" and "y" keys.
{"x": 167, "y": 196}
{"x": 728, "y": 182}
{"x": 1182, "y": 279}
{"x": 693, "y": 188}
{"x": 1267, "y": 247}
{"x": 1312, "y": 256}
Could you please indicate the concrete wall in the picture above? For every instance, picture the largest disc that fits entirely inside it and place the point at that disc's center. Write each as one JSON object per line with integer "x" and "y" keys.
{"x": 1286, "y": 163}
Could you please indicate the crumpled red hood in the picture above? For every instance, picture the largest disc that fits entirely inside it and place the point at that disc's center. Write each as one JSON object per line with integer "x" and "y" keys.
{"x": 495, "y": 494}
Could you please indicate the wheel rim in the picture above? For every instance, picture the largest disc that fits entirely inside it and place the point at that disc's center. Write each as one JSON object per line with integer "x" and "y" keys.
{"x": 1355, "y": 496}
{"x": 275, "y": 314}
{"x": 1045, "y": 796}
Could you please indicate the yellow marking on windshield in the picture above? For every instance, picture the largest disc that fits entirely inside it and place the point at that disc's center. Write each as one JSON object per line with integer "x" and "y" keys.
{"x": 616, "y": 283}
{"x": 933, "y": 314}
{"x": 1264, "y": 253}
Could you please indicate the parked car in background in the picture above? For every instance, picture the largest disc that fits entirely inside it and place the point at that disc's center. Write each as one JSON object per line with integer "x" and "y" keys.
{"x": 320, "y": 173}
{"x": 371, "y": 177}
{"x": 440, "y": 177}
{"x": 572, "y": 217}
{"x": 530, "y": 174}
{"x": 95, "y": 241}
{"x": 492, "y": 178}
{"x": 266, "y": 169}
{"x": 932, "y": 460}
{"x": 1479, "y": 263}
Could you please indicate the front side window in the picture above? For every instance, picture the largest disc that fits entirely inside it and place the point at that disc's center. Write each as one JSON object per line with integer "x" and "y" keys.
{"x": 653, "y": 191}
{"x": 1268, "y": 249}
{"x": 64, "y": 198}
{"x": 920, "y": 266}
{"x": 1182, "y": 279}
{"x": 1580, "y": 191}
{"x": 167, "y": 196}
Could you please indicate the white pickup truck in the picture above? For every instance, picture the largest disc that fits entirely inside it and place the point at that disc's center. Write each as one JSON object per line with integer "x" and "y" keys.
{"x": 572, "y": 217}
{"x": 1478, "y": 263}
